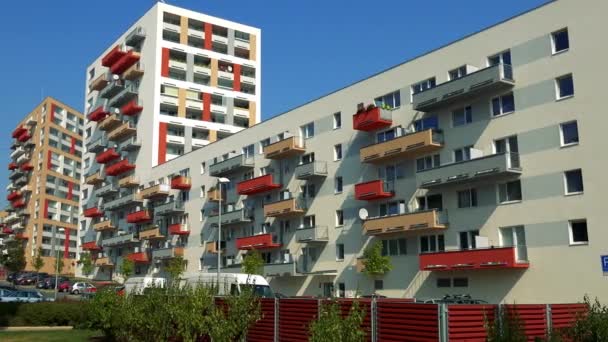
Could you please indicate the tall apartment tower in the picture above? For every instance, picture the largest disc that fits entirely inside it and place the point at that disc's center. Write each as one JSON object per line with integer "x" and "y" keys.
{"x": 176, "y": 81}
{"x": 44, "y": 187}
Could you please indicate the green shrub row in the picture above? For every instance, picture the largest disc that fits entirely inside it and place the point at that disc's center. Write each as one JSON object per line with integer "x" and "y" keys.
{"x": 44, "y": 314}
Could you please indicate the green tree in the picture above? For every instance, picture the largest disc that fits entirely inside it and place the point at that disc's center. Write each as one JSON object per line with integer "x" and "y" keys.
{"x": 375, "y": 264}
{"x": 59, "y": 262}
{"x": 591, "y": 325}
{"x": 87, "y": 263}
{"x": 175, "y": 268}
{"x": 331, "y": 326}
{"x": 38, "y": 262}
{"x": 253, "y": 263}
{"x": 127, "y": 268}
{"x": 14, "y": 259}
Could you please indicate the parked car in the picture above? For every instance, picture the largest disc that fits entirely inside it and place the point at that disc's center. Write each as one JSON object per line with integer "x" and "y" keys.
{"x": 452, "y": 299}
{"x": 65, "y": 286}
{"x": 13, "y": 275}
{"x": 81, "y": 287}
{"x": 8, "y": 287}
{"x": 49, "y": 282}
{"x": 20, "y": 278}
{"x": 24, "y": 297}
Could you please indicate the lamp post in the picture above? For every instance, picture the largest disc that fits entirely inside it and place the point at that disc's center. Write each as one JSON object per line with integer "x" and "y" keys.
{"x": 220, "y": 181}
{"x": 61, "y": 230}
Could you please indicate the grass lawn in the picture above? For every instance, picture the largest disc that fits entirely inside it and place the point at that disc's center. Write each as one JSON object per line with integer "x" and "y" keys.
{"x": 48, "y": 336}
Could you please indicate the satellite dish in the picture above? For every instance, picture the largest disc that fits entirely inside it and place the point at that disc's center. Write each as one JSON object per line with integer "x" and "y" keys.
{"x": 115, "y": 77}
{"x": 363, "y": 214}
{"x": 229, "y": 68}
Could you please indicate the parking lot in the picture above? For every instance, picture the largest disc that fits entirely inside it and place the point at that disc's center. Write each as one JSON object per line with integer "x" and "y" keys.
{"x": 46, "y": 293}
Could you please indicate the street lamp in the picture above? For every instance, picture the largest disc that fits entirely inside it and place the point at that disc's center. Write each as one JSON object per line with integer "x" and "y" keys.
{"x": 61, "y": 230}
{"x": 220, "y": 181}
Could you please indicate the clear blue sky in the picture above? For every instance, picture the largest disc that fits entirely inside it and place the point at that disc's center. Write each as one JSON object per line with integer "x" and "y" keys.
{"x": 309, "y": 47}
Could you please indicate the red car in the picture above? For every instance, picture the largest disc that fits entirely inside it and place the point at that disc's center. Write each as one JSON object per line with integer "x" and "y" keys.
{"x": 64, "y": 286}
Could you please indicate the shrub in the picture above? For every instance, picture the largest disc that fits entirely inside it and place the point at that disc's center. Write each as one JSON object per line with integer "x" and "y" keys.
{"x": 591, "y": 325}
{"x": 44, "y": 314}
{"x": 332, "y": 326}
{"x": 507, "y": 327}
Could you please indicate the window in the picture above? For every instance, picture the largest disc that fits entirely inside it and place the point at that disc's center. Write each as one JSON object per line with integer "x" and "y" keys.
{"x": 385, "y": 135}
{"x": 341, "y": 290}
{"x": 307, "y": 158}
{"x": 428, "y": 162}
{"x": 515, "y": 237}
{"x": 424, "y": 85}
{"x": 462, "y": 116}
{"x": 337, "y": 120}
{"x": 338, "y": 186}
{"x": 378, "y": 284}
{"x": 264, "y": 143}
{"x": 564, "y": 86}
{"x": 430, "y": 202}
{"x": 91, "y": 73}
{"x": 391, "y": 100}
{"x": 432, "y": 243}
{"x": 457, "y": 73}
{"x": 578, "y": 232}
{"x": 339, "y": 218}
{"x": 394, "y": 247}
{"x": 203, "y": 167}
{"x": 444, "y": 282}
{"x": 430, "y": 122}
{"x": 560, "y": 41}
{"x": 462, "y": 154}
{"x": 461, "y": 282}
{"x": 338, "y": 152}
{"x": 574, "y": 182}
{"x": 248, "y": 151}
{"x": 308, "y": 190}
{"x": 308, "y": 221}
{"x": 202, "y": 191}
{"x": 569, "y": 133}
{"x": 467, "y": 198}
{"x": 339, "y": 251}
{"x": 467, "y": 239}
{"x": 308, "y": 131}
{"x": 509, "y": 192}
{"x": 503, "y": 57}
{"x": 503, "y": 104}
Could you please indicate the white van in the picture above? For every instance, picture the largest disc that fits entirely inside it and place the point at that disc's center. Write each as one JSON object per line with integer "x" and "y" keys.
{"x": 230, "y": 283}
{"x": 138, "y": 284}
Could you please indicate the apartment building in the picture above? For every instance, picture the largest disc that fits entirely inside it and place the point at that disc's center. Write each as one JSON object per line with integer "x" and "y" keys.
{"x": 474, "y": 165}
{"x": 44, "y": 184}
{"x": 176, "y": 81}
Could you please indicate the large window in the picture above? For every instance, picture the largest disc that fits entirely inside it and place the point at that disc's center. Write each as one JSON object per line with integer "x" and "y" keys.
{"x": 462, "y": 154}
{"x": 394, "y": 247}
{"x": 248, "y": 151}
{"x": 424, "y": 85}
{"x": 428, "y": 162}
{"x": 503, "y": 104}
{"x": 308, "y": 130}
{"x": 430, "y": 122}
{"x": 574, "y": 182}
{"x": 564, "y": 86}
{"x": 432, "y": 243}
{"x": 509, "y": 192}
{"x": 467, "y": 198}
{"x": 560, "y": 41}
{"x": 569, "y": 133}
{"x": 515, "y": 237}
{"x": 390, "y": 100}
{"x": 462, "y": 116}
{"x": 457, "y": 73}
{"x": 578, "y": 232}
{"x": 467, "y": 239}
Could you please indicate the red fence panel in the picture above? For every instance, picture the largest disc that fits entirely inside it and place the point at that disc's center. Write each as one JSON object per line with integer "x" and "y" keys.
{"x": 533, "y": 317}
{"x": 366, "y": 305}
{"x": 405, "y": 321}
{"x": 263, "y": 329}
{"x": 564, "y": 315}
{"x": 295, "y": 316}
{"x": 468, "y": 322}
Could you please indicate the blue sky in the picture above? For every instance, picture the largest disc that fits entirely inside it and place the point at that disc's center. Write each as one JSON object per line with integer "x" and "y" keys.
{"x": 309, "y": 48}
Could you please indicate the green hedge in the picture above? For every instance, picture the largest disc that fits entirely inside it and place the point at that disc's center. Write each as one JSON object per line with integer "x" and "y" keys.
{"x": 44, "y": 314}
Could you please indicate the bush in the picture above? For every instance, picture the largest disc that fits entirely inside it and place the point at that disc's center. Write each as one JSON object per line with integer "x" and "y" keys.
{"x": 507, "y": 327}
{"x": 332, "y": 326}
{"x": 44, "y": 314}
{"x": 591, "y": 325}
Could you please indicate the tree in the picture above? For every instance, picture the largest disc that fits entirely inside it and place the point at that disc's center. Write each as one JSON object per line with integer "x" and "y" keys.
{"x": 127, "y": 268}
{"x": 38, "y": 262}
{"x": 14, "y": 259}
{"x": 253, "y": 263}
{"x": 375, "y": 264}
{"x": 59, "y": 263}
{"x": 332, "y": 326}
{"x": 87, "y": 263}
{"x": 175, "y": 268}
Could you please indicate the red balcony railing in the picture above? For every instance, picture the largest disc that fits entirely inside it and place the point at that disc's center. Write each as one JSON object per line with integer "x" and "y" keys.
{"x": 179, "y": 229}
{"x": 13, "y": 166}
{"x": 93, "y": 212}
{"x": 181, "y": 183}
{"x": 472, "y": 259}
{"x": 374, "y": 190}
{"x": 131, "y": 108}
{"x": 119, "y": 168}
{"x": 27, "y": 167}
{"x": 90, "y": 246}
{"x": 124, "y": 62}
{"x": 25, "y": 136}
{"x": 113, "y": 56}
{"x": 7, "y": 230}
{"x": 372, "y": 119}
{"x": 107, "y": 156}
{"x": 18, "y": 131}
{"x": 21, "y": 236}
{"x": 18, "y": 203}
{"x": 257, "y": 185}
{"x": 139, "y": 216}
{"x": 13, "y": 195}
{"x": 263, "y": 241}
{"x": 98, "y": 114}
{"x": 139, "y": 257}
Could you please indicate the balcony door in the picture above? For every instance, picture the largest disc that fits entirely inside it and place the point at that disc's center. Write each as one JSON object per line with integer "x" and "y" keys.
{"x": 309, "y": 257}
{"x": 515, "y": 237}
{"x": 508, "y": 145}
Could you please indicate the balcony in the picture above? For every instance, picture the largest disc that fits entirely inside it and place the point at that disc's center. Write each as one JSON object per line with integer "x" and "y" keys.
{"x": 94, "y": 178}
{"x": 312, "y": 234}
{"x": 106, "y": 190}
{"x": 20, "y": 203}
{"x": 127, "y": 94}
{"x": 139, "y": 257}
{"x": 122, "y": 132}
{"x": 373, "y": 190}
{"x": 130, "y": 144}
{"x": 372, "y": 119}
{"x": 125, "y": 62}
{"x": 155, "y": 191}
{"x": 90, "y": 246}
{"x": 282, "y": 269}
{"x": 93, "y": 212}
{"x": 105, "y": 225}
{"x": 179, "y": 229}
{"x": 230, "y": 166}
{"x": 132, "y": 108}
{"x": 99, "y": 83}
{"x": 490, "y": 169}
{"x": 12, "y": 166}
{"x": 285, "y": 148}
{"x": 134, "y": 72}
{"x": 135, "y": 37}
{"x": 107, "y": 156}
{"x": 140, "y": 216}
{"x": 112, "y": 89}
{"x": 112, "y": 56}
{"x": 18, "y": 131}
{"x": 98, "y": 114}
{"x": 109, "y": 123}
{"x": 7, "y": 230}
{"x": 151, "y": 233}
{"x": 21, "y": 180}
{"x": 119, "y": 168}
{"x": 403, "y": 146}
{"x": 491, "y": 79}
{"x": 98, "y": 145}
{"x": 262, "y": 241}
{"x": 170, "y": 208}
{"x": 418, "y": 221}
{"x": 104, "y": 262}
{"x": 257, "y": 185}
{"x": 233, "y": 217}
{"x": 128, "y": 182}
{"x": 285, "y": 208}
{"x": 24, "y": 137}
{"x": 121, "y": 239}
{"x": 27, "y": 167}
{"x": 215, "y": 195}
{"x": 472, "y": 259}
{"x": 181, "y": 183}
{"x": 123, "y": 202}
{"x": 13, "y": 196}
{"x": 168, "y": 253}
{"x": 315, "y": 169}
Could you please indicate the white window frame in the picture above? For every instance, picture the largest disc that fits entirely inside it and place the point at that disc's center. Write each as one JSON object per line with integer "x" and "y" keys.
{"x": 571, "y": 234}
{"x": 561, "y": 134}
{"x": 434, "y": 237}
{"x": 336, "y": 191}
{"x": 470, "y": 204}
{"x": 338, "y": 147}
{"x": 509, "y": 201}
{"x": 339, "y": 213}
{"x": 553, "y": 48}
{"x": 343, "y": 252}
{"x": 337, "y": 116}
{"x": 502, "y": 113}
{"x": 464, "y": 152}
{"x": 566, "y": 183}
{"x": 305, "y": 130}
{"x": 464, "y": 111}
{"x": 459, "y": 71}
{"x": 557, "y": 87}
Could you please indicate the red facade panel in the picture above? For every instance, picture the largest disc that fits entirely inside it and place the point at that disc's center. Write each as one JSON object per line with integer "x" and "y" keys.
{"x": 206, "y": 107}
{"x": 237, "y": 77}
{"x": 162, "y": 143}
{"x": 164, "y": 68}
{"x": 208, "y": 36}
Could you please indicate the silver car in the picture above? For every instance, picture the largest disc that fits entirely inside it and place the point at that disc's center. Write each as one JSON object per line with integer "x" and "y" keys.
{"x": 22, "y": 297}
